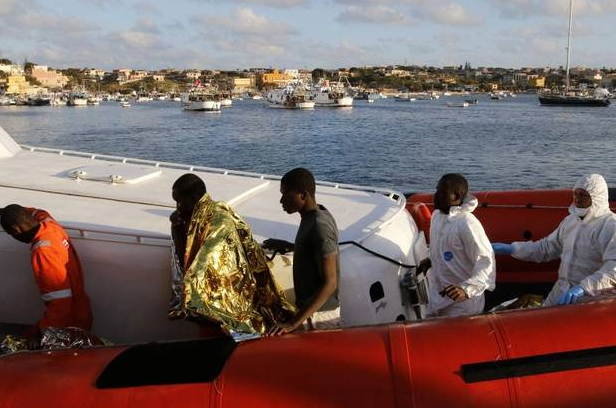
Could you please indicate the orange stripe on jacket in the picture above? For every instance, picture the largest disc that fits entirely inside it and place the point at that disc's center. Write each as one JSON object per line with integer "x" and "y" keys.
{"x": 58, "y": 274}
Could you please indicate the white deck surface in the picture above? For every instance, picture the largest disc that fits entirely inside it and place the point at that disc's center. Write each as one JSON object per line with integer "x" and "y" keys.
{"x": 28, "y": 178}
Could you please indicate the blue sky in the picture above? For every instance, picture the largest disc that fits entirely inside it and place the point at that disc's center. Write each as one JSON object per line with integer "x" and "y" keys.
{"x": 152, "y": 34}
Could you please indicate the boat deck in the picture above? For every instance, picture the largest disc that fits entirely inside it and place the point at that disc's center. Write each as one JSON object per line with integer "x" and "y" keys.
{"x": 33, "y": 178}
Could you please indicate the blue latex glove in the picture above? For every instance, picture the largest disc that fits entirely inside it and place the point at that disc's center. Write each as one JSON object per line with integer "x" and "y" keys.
{"x": 502, "y": 249}
{"x": 571, "y": 296}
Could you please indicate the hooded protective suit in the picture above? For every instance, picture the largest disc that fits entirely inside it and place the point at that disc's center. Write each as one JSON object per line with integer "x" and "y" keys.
{"x": 461, "y": 255}
{"x": 586, "y": 247}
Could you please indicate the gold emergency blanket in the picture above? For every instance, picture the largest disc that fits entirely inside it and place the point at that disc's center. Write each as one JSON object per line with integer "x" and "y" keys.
{"x": 227, "y": 279}
{"x": 53, "y": 338}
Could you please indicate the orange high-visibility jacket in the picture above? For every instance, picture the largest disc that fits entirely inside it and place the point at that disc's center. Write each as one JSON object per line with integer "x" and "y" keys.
{"x": 59, "y": 276}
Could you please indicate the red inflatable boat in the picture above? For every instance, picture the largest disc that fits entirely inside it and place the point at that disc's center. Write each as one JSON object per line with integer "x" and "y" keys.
{"x": 558, "y": 356}
{"x": 507, "y": 216}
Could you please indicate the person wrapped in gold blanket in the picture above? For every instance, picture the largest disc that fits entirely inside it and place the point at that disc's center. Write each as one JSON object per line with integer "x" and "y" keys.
{"x": 221, "y": 273}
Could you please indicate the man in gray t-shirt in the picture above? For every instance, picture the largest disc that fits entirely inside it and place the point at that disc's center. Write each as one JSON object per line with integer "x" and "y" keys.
{"x": 316, "y": 261}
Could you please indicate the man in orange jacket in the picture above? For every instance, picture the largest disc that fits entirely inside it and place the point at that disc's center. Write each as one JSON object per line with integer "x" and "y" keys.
{"x": 56, "y": 267}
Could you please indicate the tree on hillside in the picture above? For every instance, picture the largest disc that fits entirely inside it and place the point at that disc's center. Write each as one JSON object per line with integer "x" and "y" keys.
{"x": 28, "y": 66}
{"x": 32, "y": 80}
{"x": 5, "y": 61}
{"x": 317, "y": 74}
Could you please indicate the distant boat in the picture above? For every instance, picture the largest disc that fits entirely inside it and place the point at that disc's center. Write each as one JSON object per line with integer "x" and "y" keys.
{"x": 198, "y": 100}
{"x": 226, "y": 102}
{"x": 404, "y": 98}
{"x": 568, "y": 98}
{"x": 77, "y": 99}
{"x": 58, "y": 102}
{"x": 335, "y": 95}
{"x": 573, "y": 100}
{"x": 290, "y": 98}
{"x": 125, "y": 104}
{"x": 143, "y": 98}
{"x": 457, "y": 104}
{"x": 39, "y": 100}
{"x": 472, "y": 101}
{"x": 6, "y": 101}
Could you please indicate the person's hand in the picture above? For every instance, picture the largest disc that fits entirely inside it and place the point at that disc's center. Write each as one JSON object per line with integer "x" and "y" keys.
{"x": 176, "y": 219}
{"x": 502, "y": 249}
{"x": 571, "y": 296}
{"x": 456, "y": 293}
{"x": 279, "y": 245}
{"x": 283, "y": 328}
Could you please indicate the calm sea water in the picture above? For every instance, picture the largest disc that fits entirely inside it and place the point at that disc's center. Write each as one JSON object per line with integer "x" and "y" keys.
{"x": 511, "y": 143}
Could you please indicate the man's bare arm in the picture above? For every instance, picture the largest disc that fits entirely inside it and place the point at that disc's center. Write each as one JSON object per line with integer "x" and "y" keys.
{"x": 330, "y": 284}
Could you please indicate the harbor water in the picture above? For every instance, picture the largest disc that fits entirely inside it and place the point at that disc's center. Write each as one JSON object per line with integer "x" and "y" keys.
{"x": 497, "y": 144}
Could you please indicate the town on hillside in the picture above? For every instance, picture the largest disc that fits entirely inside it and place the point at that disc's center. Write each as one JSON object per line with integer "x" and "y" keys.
{"x": 29, "y": 79}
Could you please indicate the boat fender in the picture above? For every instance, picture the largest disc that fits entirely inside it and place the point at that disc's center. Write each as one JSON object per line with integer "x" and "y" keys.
{"x": 422, "y": 216}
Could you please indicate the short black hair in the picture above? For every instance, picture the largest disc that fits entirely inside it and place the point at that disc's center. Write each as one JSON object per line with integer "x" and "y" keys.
{"x": 189, "y": 184}
{"x": 457, "y": 183}
{"x": 12, "y": 215}
{"x": 300, "y": 180}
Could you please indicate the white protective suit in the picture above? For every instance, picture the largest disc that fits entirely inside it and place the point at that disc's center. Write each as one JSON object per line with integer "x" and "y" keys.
{"x": 461, "y": 255}
{"x": 586, "y": 247}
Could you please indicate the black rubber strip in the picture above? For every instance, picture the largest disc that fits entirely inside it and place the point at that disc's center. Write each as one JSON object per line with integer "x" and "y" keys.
{"x": 181, "y": 362}
{"x": 540, "y": 364}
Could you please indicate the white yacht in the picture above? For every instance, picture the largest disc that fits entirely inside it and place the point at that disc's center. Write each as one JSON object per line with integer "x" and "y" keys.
{"x": 404, "y": 98}
{"x": 198, "y": 100}
{"x": 143, "y": 98}
{"x": 226, "y": 102}
{"x": 458, "y": 104}
{"x": 6, "y": 101}
{"x": 335, "y": 96}
{"x": 77, "y": 99}
{"x": 290, "y": 98}
{"x": 117, "y": 209}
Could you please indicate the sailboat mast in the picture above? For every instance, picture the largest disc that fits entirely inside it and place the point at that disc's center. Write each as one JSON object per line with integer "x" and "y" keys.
{"x": 569, "y": 43}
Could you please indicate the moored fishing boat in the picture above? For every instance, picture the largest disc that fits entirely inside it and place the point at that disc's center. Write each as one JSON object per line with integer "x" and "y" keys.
{"x": 332, "y": 95}
{"x": 77, "y": 99}
{"x": 290, "y": 97}
{"x": 201, "y": 100}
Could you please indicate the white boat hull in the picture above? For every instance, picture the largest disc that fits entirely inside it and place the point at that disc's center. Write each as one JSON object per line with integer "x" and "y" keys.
{"x": 203, "y": 106}
{"x": 305, "y": 105}
{"x": 78, "y": 102}
{"x": 325, "y": 101}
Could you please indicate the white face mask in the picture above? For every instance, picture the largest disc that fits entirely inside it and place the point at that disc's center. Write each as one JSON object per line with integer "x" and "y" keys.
{"x": 581, "y": 212}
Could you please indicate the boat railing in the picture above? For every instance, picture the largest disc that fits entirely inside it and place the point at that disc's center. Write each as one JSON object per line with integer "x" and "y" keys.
{"x": 101, "y": 235}
{"x": 395, "y": 196}
{"x": 115, "y": 236}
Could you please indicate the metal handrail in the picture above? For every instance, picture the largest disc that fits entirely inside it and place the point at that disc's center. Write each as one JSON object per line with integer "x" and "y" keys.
{"x": 137, "y": 238}
{"x": 391, "y": 194}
